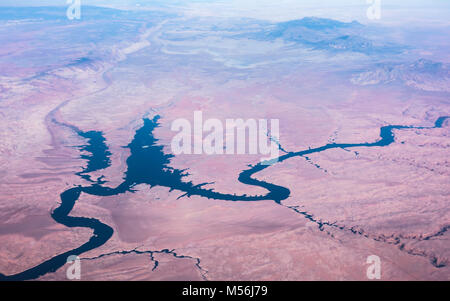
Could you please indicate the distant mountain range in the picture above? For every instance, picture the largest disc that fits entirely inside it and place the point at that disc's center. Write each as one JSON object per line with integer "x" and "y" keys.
{"x": 325, "y": 34}
{"x": 422, "y": 74}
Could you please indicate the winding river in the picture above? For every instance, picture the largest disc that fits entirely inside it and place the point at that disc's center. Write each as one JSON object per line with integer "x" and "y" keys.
{"x": 148, "y": 164}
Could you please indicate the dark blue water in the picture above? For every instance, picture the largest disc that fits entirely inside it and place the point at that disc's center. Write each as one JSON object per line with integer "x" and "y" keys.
{"x": 148, "y": 164}
{"x": 97, "y": 156}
